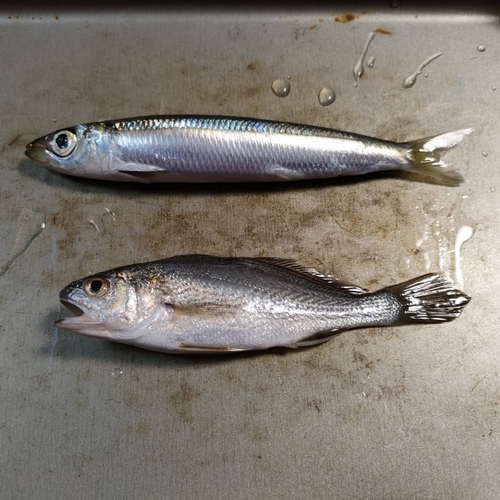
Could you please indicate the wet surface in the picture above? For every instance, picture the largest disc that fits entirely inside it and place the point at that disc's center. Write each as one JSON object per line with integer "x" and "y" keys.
{"x": 404, "y": 412}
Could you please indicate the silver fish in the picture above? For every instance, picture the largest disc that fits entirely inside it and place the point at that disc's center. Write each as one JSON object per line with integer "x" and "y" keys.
{"x": 202, "y": 304}
{"x": 220, "y": 149}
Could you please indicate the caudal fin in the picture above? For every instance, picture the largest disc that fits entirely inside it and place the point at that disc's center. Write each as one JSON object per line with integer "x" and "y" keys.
{"x": 425, "y": 156}
{"x": 429, "y": 299}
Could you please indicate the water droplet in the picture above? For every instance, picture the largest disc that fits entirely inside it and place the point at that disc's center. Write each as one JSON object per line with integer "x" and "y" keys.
{"x": 473, "y": 57}
{"x": 485, "y": 154}
{"x": 481, "y": 48}
{"x": 493, "y": 87}
{"x": 359, "y": 68}
{"x": 96, "y": 227}
{"x": 410, "y": 81}
{"x": 280, "y": 88}
{"x": 426, "y": 75}
{"x": 29, "y": 225}
{"x": 326, "y": 96}
{"x": 371, "y": 62}
{"x": 117, "y": 372}
{"x": 493, "y": 189}
{"x": 288, "y": 77}
{"x": 54, "y": 120}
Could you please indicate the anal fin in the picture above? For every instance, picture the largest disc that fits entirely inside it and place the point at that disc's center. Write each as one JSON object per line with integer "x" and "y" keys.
{"x": 194, "y": 348}
{"x": 315, "y": 339}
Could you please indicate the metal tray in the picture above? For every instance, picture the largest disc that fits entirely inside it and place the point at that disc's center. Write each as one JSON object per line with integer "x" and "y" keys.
{"x": 389, "y": 413}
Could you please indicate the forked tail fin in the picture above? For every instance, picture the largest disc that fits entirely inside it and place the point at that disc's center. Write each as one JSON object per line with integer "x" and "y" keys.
{"x": 425, "y": 156}
{"x": 429, "y": 299}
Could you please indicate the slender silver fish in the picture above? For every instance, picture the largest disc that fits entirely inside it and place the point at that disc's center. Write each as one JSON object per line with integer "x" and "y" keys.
{"x": 219, "y": 149}
{"x": 202, "y": 304}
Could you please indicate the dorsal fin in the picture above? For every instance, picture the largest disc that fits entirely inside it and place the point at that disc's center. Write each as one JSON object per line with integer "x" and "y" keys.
{"x": 312, "y": 274}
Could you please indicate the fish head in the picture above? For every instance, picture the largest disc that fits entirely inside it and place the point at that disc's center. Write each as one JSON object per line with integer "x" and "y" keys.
{"x": 82, "y": 150}
{"x": 115, "y": 305}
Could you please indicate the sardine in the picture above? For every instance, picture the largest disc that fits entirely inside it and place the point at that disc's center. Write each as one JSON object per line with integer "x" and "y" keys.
{"x": 222, "y": 149}
{"x": 205, "y": 304}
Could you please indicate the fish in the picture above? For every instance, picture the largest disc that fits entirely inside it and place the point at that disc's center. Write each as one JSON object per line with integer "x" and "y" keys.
{"x": 200, "y": 304}
{"x": 227, "y": 149}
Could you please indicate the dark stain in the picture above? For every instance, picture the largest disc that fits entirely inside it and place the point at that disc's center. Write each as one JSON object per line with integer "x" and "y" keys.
{"x": 382, "y": 31}
{"x": 314, "y": 405}
{"x": 143, "y": 428}
{"x": 362, "y": 360}
{"x": 43, "y": 380}
{"x": 346, "y": 18}
{"x": 84, "y": 375}
{"x": 182, "y": 399}
{"x": 391, "y": 391}
{"x": 56, "y": 18}
{"x": 253, "y": 65}
{"x": 299, "y": 33}
{"x": 256, "y": 433}
{"x": 313, "y": 26}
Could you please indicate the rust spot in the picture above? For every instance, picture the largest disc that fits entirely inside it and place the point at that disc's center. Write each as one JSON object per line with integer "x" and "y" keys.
{"x": 252, "y": 65}
{"x": 259, "y": 456}
{"x": 382, "y": 31}
{"x": 346, "y": 18}
{"x": 56, "y": 18}
{"x": 320, "y": 20}
{"x": 313, "y": 27}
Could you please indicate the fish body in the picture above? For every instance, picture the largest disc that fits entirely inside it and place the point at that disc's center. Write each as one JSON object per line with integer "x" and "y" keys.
{"x": 225, "y": 149}
{"x": 202, "y": 304}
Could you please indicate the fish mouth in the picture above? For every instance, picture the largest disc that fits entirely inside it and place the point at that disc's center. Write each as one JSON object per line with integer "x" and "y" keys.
{"x": 36, "y": 152}
{"x": 81, "y": 321}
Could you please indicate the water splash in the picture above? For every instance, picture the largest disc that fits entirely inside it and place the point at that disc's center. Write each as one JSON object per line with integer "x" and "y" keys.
{"x": 29, "y": 225}
{"x": 464, "y": 233}
{"x": 359, "y": 67}
{"x": 411, "y": 80}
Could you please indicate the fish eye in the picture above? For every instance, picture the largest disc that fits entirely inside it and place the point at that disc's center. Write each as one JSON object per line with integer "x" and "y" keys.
{"x": 96, "y": 287}
{"x": 63, "y": 142}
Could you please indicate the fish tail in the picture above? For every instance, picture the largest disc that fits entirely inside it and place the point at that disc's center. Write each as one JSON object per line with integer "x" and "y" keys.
{"x": 429, "y": 299}
{"x": 425, "y": 156}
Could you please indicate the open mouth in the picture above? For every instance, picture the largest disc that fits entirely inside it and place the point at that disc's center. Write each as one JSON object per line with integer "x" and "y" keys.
{"x": 35, "y": 152}
{"x": 81, "y": 319}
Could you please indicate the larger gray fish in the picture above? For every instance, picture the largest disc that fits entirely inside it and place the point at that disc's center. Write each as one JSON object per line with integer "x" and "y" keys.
{"x": 200, "y": 304}
{"x": 218, "y": 149}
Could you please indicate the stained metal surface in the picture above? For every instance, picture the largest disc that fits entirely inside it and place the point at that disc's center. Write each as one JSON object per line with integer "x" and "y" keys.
{"x": 406, "y": 412}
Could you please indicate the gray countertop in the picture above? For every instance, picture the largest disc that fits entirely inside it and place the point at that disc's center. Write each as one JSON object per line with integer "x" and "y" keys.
{"x": 389, "y": 413}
